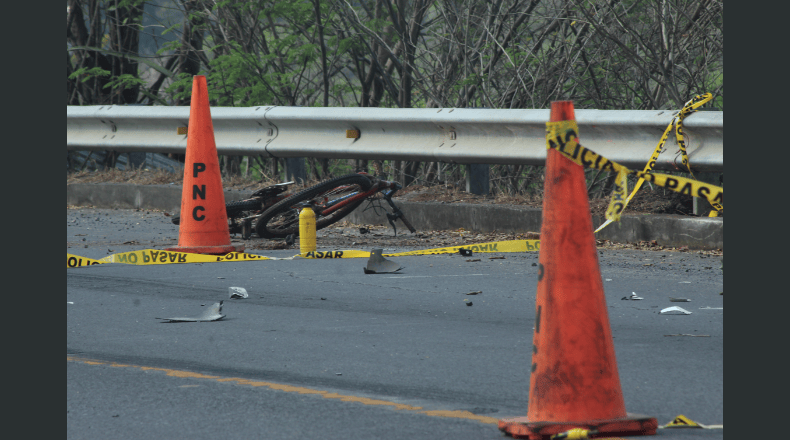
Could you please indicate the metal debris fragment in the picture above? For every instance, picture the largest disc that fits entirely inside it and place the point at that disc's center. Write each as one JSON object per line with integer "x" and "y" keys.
{"x": 379, "y": 264}
{"x": 212, "y": 313}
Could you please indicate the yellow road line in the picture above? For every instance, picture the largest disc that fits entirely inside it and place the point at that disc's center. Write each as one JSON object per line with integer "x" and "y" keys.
{"x": 455, "y": 414}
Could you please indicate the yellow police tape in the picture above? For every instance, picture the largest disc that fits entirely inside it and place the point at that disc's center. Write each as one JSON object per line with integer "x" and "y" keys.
{"x": 677, "y": 122}
{"x": 494, "y": 246}
{"x": 563, "y": 137}
{"x": 153, "y": 256}
{"x": 77, "y": 261}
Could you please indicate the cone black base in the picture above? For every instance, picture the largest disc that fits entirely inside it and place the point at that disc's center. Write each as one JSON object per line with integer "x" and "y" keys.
{"x": 210, "y": 250}
{"x": 632, "y": 424}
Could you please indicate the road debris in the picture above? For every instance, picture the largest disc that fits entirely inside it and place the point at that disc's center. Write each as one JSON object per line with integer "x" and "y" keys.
{"x": 675, "y": 310}
{"x": 475, "y": 292}
{"x": 379, "y": 264}
{"x": 633, "y": 297}
{"x": 679, "y": 300}
{"x": 213, "y": 313}
{"x": 237, "y": 292}
{"x": 465, "y": 252}
{"x": 682, "y": 421}
{"x": 686, "y": 334}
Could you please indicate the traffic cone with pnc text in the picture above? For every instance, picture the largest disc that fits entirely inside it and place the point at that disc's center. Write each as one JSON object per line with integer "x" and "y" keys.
{"x": 574, "y": 382}
{"x": 204, "y": 220}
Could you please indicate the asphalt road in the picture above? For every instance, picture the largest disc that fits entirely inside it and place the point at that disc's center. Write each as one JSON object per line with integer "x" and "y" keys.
{"x": 321, "y": 350}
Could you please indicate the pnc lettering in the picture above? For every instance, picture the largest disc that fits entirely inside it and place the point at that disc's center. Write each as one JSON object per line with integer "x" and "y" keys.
{"x": 198, "y": 167}
{"x": 198, "y": 192}
{"x": 195, "y": 213}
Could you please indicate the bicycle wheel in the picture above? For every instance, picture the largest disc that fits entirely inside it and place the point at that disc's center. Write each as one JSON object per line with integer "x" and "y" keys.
{"x": 239, "y": 206}
{"x": 282, "y": 219}
{"x": 233, "y": 208}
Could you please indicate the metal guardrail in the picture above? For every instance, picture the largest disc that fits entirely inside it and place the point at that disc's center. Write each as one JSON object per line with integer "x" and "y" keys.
{"x": 455, "y": 135}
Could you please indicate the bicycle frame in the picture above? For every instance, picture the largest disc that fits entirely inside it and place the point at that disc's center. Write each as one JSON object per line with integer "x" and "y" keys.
{"x": 386, "y": 187}
{"x": 378, "y": 185}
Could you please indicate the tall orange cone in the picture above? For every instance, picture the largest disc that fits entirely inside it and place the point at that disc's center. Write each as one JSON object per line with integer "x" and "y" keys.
{"x": 574, "y": 382}
{"x": 204, "y": 218}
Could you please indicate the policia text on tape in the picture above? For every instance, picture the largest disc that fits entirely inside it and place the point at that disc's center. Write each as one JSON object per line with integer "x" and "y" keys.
{"x": 563, "y": 136}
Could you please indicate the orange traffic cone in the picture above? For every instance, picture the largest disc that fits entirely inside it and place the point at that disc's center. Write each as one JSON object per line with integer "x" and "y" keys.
{"x": 204, "y": 220}
{"x": 574, "y": 381}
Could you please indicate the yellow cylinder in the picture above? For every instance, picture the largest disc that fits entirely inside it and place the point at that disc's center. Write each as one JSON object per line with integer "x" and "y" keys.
{"x": 307, "y": 230}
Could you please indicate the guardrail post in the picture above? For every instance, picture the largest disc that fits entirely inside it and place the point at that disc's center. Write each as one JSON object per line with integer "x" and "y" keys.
{"x": 477, "y": 178}
{"x": 701, "y": 206}
{"x": 295, "y": 170}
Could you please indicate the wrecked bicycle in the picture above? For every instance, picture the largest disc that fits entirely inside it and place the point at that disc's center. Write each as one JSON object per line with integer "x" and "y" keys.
{"x": 331, "y": 200}
{"x": 272, "y": 214}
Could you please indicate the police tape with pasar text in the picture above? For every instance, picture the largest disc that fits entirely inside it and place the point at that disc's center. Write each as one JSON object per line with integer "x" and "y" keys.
{"x": 676, "y": 123}
{"x": 563, "y": 137}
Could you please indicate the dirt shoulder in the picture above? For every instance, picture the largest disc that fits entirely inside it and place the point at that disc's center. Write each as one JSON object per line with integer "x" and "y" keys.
{"x": 346, "y": 234}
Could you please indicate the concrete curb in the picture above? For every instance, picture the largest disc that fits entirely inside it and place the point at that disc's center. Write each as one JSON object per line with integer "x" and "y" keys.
{"x": 666, "y": 230}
